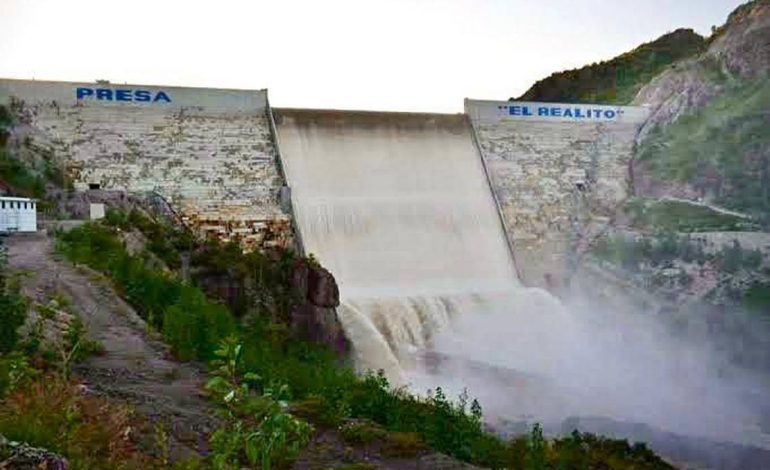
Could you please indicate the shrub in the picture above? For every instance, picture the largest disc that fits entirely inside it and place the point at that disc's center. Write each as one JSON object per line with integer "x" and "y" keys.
{"x": 402, "y": 445}
{"x": 194, "y": 326}
{"x": 258, "y": 429}
{"x": 360, "y": 433}
{"x": 191, "y": 324}
{"x": 720, "y": 150}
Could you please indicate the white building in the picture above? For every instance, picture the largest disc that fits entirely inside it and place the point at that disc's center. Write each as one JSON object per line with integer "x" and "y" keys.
{"x": 17, "y": 214}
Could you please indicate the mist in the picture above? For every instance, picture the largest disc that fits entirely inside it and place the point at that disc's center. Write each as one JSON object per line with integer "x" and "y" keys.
{"x": 529, "y": 357}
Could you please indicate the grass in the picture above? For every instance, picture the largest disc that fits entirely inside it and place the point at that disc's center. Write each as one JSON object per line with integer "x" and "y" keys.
{"x": 32, "y": 175}
{"x": 678, "y": 216}
{"x": 89, "y": 431}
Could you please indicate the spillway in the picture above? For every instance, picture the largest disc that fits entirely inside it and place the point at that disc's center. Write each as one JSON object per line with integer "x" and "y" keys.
{"x": 398, "y": 207}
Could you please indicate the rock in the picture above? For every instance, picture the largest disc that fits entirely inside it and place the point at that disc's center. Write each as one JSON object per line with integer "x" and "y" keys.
{"x": 299, "y": 278}
{"x": 314, "y": 317}
{"x": 675, "y": 92}
{"x": 322, "y": 288}
{"x": 320, "y": 325}
{"x": 743, "y": 44}
{"x": 20, "y": 456}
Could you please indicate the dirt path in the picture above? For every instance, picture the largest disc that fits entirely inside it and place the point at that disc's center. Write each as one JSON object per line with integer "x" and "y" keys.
{"x": 135, "y": 367}
{"x": 720, "y": 210}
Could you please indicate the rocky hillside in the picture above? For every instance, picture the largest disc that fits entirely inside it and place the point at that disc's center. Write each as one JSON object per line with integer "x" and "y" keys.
{"x": 708, "y": 137}
{"x": 617, "y": 81}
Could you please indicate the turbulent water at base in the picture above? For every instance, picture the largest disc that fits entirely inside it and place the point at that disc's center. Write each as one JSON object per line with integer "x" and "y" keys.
{"x": 397, "y": 206}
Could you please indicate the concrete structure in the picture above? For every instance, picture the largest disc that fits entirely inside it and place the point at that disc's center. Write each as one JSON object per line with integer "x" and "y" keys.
{"x": 96, "y": 211}
{"x": 558, "y": 171}
{"x": 17, "y": 214}
{"x": 209, "y": 152}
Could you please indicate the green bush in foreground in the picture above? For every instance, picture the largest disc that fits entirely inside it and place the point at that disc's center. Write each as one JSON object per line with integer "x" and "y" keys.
{"x": 258, "y": 428}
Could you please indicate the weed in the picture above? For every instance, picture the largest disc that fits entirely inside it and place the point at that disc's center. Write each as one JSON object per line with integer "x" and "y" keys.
{"x": 13, "y": 308}
{"x": 361, "y": 433}
{"x": 402, "y": 445}
{"x": 258, "y": 429}
{"x": 75, "y": 347}
{"x": 160, "y": 436}
{"x": 15, "y": 371}
{"x": 89, "y": 431}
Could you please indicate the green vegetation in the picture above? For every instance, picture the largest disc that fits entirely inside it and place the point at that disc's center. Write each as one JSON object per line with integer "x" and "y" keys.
{"x": 757, "y": 298}
{"x": 258, "y": 428}
{"x": 722, "y": 151}
{"x": 40, "y": 407}
{"x": 662, "y": 249}
{"x": 579, "y": 451}
{"x": 191, "y": 324}
{"x": 680, "y": 216}
{"x": 270, "y": 384}
{"x": 25, "y": 178}
{"x": 13, "y": 308}
{"x": 618, "y": 80}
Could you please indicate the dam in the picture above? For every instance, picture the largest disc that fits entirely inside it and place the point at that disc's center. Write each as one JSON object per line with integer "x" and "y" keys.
{"x": 435, "y": 226}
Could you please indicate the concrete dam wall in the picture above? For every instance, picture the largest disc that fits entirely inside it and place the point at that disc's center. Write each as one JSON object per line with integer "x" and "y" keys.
{"x": 559, "y": 171}
{"x": 209, "y": 152}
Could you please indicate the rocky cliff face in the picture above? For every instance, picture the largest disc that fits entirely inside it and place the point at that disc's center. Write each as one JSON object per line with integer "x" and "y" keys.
{"x": 743, "y": 44}
{"x": 314, "y": 316}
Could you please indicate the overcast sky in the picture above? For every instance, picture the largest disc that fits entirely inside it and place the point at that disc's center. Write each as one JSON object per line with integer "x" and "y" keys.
{"x": 403, "y": 55}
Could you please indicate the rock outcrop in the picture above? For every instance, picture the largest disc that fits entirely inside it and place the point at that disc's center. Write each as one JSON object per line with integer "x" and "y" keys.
{"x": 314, "y": 317}
{"x": 21, "y": 456}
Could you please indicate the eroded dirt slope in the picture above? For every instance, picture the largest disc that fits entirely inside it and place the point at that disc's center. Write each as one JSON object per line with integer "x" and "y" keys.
{"x": 135, "y": 366}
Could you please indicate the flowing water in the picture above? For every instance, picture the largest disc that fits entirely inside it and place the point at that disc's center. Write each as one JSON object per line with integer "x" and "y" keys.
{"x": 397, "y": 206}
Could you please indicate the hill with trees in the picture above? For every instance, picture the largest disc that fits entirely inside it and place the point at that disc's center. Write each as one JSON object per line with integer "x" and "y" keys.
{"x": 617, "y": 80}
